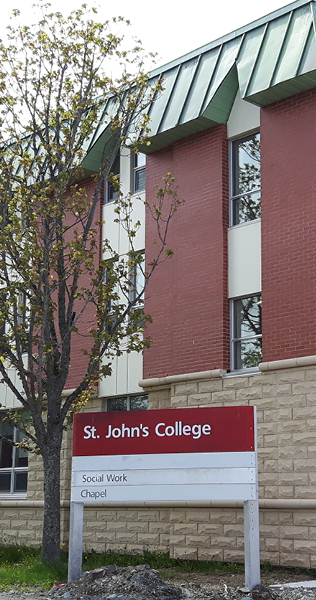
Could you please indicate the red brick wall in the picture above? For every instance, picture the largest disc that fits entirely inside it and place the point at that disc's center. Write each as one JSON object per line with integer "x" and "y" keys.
{"x": 187, "y": 296}
{"x": 288, "y": 151}
{"x": 82, "y": 340}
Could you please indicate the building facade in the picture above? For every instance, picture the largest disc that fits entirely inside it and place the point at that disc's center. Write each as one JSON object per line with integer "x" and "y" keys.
{"x": 233, "y": 309}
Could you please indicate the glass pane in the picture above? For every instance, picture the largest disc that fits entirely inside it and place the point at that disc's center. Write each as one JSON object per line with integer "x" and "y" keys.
{"x": 247, "y": 208}
{"x": 139, "y": 402}
{"x": 117, "y": 404}
{"x": 5, "y": 482}
{"x": 248, "y": 353}
{"x": 21, "y": 456}
{"x": 140, "y": 160}
{"x": 246, "y": 179}
{"x": 6, "y": 452}
{"x": 247, "y": 317}
{"x": 247, "y": 165}
{"x": 20, "y": 482}
{"x": 140, "y": 180}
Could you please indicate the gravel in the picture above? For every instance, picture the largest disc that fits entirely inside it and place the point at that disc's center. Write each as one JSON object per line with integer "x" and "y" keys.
{"x": 143, "y": 583}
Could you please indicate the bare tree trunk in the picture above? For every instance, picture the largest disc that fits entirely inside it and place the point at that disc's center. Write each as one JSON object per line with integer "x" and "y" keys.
{"x": 51, "y": 523}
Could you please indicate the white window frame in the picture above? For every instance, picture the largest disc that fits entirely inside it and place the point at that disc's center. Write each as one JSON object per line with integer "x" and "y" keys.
{"x": 136, "y": 170}
{"x": 234, "y": 341}
{"x": 13, "y": 470}
{"x": 232, "y": 177}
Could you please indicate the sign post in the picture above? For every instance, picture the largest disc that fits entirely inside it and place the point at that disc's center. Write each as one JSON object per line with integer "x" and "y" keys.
{"x": 162, "y": 456}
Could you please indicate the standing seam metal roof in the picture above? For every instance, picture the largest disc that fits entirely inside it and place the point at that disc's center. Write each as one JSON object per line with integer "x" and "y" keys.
{"x": 267, "y": 60}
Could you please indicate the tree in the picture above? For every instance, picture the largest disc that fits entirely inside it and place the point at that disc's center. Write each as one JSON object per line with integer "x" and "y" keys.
{"x": 55, "y": 94}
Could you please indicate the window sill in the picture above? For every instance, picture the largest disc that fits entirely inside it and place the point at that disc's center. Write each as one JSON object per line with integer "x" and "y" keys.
{"x": 243, "y": 372}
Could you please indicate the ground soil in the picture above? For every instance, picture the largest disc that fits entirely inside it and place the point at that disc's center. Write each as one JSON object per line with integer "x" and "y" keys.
{"x": 268, "y": 577}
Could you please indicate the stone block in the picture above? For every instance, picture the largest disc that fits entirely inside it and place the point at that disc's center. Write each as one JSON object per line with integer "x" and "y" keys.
{"x": 286, "y": 545}
{"x": 306, "y": 518}
{"x": 183, "y": 389}
{"x": 307, "y": 465}
{"x": 286, "y": 465}
{"x": 269, "y": 544}
{"x": 290, "y": 375}
{"x": 185, "y": 528}
{"x": 286, "y": 517}
{"x": 148, "y": 515}
{"x": 304, "y": 387}
{"x": 252, "y": 393}
{"x": 295, "y": 560}
{"x": 223, "y": 516}
{"x": 179, "y": 401}
{"x": 210, "y": 529}
{"x": 266, "y": 428}
{"x": 223, "y": 542}
{"x": 177, "y": 515}
{"x": 284, "y": 389}
{"x": 138, "y": 526}
{"x": 164, "y": 515}
{"x": 211, "y": 385}
{"x": 293, "y": 478}
{"x": 234, "y": 530}
{"x": 304, "y": 412}
{"x": 308, "y": 492}
{"x": 148, "y": 539}
{"x": 116, "y": 526}
{"x": 287, "y": 450}
{"x": 286, "y": 491}
{"x": 226, "y": 396}
{"x": 269, "y": 390}
{"x": 198, "y": 541}
{"x": 159, "y": 528}
{"x": 200, "y": 399}
{"x": 271, "y": 517}
{"x": 294, "y": 532}
{"x": 197, "y": 516}
{"x": 210, "y": 554}
{"x": 308, "y": 546}
{"x": 177, "y": 540}
{"x": 312, "y": 531}
{"x": 292, "y": 426}
{"x": 286, "y": 401}
{"x": 235, "y": 383}
{"x": 126, "y": 538}
{"x": 185, "y": 553}
{"x": 127, "y": 515}
{"x": 233, "y": 556}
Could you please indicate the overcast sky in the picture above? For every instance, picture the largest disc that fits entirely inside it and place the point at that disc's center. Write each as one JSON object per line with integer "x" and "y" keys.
{"x": 169, "y": 27}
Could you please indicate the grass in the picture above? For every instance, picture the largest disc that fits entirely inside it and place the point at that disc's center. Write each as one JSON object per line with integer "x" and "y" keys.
{"x": 30, "y": 574}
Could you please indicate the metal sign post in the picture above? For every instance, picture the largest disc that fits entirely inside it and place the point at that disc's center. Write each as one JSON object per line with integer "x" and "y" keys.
{"x": 162, "y": 456}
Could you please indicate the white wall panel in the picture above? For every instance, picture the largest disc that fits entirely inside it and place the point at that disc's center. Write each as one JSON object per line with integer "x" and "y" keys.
{"x": 244, "y": 117}
{"x": 244, "y": 259}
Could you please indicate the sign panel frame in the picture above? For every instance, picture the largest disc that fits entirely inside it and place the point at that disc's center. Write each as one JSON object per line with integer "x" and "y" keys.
{"x": 172, "y": 455}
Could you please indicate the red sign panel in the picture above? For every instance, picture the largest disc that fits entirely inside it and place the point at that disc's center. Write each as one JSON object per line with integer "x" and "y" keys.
{"x": 218, "y": 429}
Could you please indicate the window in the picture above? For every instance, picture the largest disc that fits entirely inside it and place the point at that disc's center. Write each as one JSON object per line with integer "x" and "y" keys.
{"x": 139, "y": 172}
{"x": 246, "y": 332}
{"x": 13, "y": 461}
{"x": 245, "y": 180}
{"x": 139, "y": 402}
{"x": 111, "y": 191}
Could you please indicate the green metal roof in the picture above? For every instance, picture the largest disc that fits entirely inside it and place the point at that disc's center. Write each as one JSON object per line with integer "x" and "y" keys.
{"x": 267, "y": 60}
{"x": 270, "y": 59}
